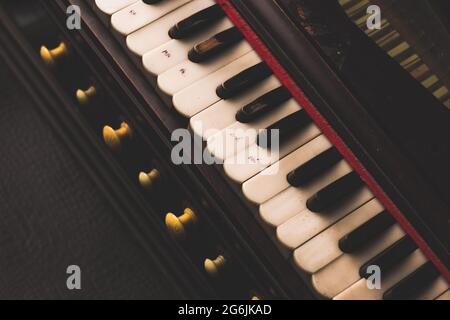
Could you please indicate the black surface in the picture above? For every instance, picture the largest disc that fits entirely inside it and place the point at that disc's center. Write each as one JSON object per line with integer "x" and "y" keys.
{"x": 52, "y": 216}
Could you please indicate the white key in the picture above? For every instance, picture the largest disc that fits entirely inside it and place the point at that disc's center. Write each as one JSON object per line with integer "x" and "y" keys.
{"x": 445, "y": 296}
{"x": 187, "y": 72}
{"x": 139, "y": 14}
{"x": 360, "y": 290}
{"x": 274, "y": 177}
{"x": 157, "y": 33}
{"x": 202, "y": 94}
{"x": 223, "y": 113}
{"x": 257, "y": 158}
{"x": 292, "y": 201}
{"x": 301, "y": 228}
{"x": 240, "y": 135}
{"x": 324, "y": 248}
{"x": 344, "y": 271}
{"x": 174, "y": 52}
{"x": 434, "y": 290}
{"x": 110, "y": 7}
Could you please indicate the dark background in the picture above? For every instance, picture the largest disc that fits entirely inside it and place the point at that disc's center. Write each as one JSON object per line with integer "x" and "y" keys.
{"x": 52, "y": 216}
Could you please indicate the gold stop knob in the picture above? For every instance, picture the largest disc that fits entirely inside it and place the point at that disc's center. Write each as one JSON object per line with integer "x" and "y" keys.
{"x": 84, "y": 96}
{"x": 177, "y": 225}
{"x": 115, "y": 138}
{"x": 215, "y": 267}
{"x": 148, "y": 180}
{"x": 51, "y": 56}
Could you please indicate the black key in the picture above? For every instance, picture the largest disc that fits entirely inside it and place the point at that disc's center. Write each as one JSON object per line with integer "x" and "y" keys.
{"x": 389, "y": 257}
{"x": 366, "y": 232}
{"x": 334, "y": 192}
{"x": 311, "y": 169}
{"x": 151, "y": 1}
{"x": 263, "y": 105}
{"x": 196, "y": 22}
{"x": 243, "y": 81}
{"x": 414, "y": 284}
{"x": 286, "y": 127}
{"x": 215, "y": 45}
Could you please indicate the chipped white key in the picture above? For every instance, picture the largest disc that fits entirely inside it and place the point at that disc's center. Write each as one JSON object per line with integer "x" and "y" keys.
{"x": 344, "y": 271}
{"x": 187, "y": 72}
{"x": 240, "y": 135}
{"x": 139, "y": 14}
{"x": 324, "y": 248}
{"x": 110, "y": 7}
{"x": 223, "y": 113}
{"x": 274, "y": 177}
{"x": 174, "y": 52}
{"x": 257, "y": 159}
{"x": 157, "y": 33}
{"x": 292, "y": 201}
{"x": 301, "y": 228}
{"x": 360, "y": 290}
{"x": 202, "y": 94}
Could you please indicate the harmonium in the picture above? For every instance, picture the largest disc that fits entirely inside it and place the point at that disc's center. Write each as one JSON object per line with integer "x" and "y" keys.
{"x": 272, "y": 149}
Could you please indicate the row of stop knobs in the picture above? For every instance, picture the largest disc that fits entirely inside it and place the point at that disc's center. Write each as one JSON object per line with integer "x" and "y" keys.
{"x": 115, "y": 138}
{"x": 177, "y": 225}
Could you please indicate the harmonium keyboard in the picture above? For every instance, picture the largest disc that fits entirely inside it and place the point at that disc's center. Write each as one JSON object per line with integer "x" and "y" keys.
{"x": 273, "y": 149}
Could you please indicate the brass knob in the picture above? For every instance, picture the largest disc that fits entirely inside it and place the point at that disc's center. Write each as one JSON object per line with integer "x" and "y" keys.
{"x": 148, "y": 180}
{"x": 215, "y": 267}
{"x": 51, "y": 56}
{"x": 84, "y": 96}
{"x": 177, "y": 225}
{"x": 115, "y": 138}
